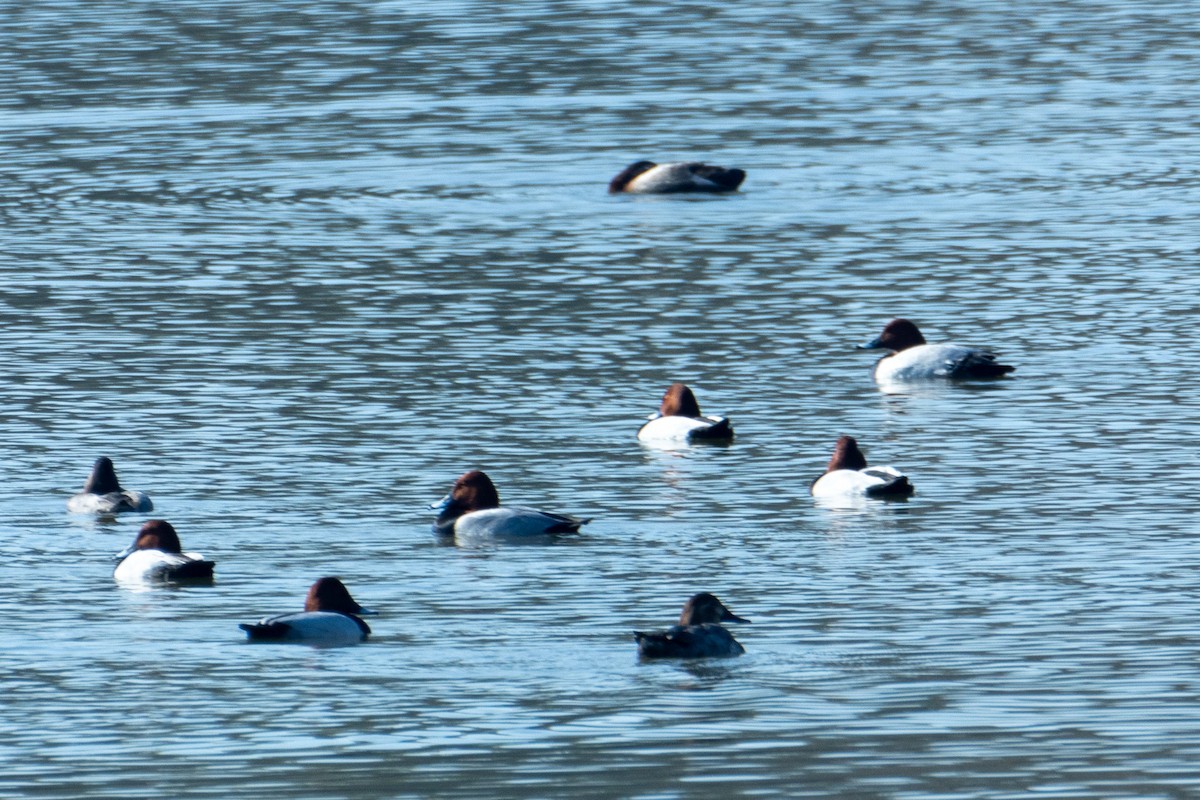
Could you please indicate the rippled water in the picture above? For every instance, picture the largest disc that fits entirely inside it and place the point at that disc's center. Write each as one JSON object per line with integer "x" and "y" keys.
{"x": 295, "y": 266}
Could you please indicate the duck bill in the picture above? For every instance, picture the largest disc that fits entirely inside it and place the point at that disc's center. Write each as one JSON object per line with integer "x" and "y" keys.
{"x": 729, "y": 616}
{"x": 440, "y": 505}
{"x": 366, "y": 612}
{"x": 121, "y": 556}
{"x": 874, "y": 344}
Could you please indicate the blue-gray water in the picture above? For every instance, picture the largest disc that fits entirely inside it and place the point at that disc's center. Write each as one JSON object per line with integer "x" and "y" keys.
{"x": 295, "y": 266}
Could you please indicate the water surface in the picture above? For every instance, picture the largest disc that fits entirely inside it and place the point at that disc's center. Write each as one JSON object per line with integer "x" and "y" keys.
{"x": 295, "y": 266}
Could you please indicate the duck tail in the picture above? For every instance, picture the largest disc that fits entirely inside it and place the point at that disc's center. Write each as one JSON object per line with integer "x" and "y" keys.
{"x": 264, "y": 631}
{"x": 990, "y": 369}
{"x": 727, "y": 179}
{"x": 652, "y": 645}
{"x": 718, "y": 431}
{"x": 898, "y": 487}
{"x": 192, "y": 571}
{"x": 568, "y": 525}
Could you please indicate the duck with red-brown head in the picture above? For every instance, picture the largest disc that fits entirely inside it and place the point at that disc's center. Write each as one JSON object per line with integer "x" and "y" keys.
{"x": 331, "y": 617}
{"x": 646, "y": 177}
{"x": 472, "y": 510}
{"x": 699, "y": 633}
{"x": 679, "y": 421}
{"x": 102, "y": 493}
{"x": 913, "y": 359}
{"x": 157, "y": 556}
{"x": 847, "y": 475}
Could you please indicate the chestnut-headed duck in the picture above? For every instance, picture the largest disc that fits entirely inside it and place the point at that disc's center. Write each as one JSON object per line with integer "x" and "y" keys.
{"x": 912, "y": 359}
{"x": 847, "y": 475}
{"x": 679, "y": 420}
{"x": 156, "y": 555}
{"x": 473, "y": 510}
{"x": 103, "y": 494}
{"x": 698, "y": 635}
{"x": 646, "y": 177}
{"x": 330, "y": 617}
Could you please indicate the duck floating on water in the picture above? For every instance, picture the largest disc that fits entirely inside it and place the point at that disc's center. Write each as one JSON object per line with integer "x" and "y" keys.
{"x": 912, "y": 359}
{"x": 699, "y": 633}
{"x": 679, "y": 420}
{"x": 156, "y": 555}
{"x": 331, "y": 617}
{"x": 102, "y": 493}
{"x": 472, "y": 509}
{"x": 847, "y": 475}
{"x": 646, "y": 177}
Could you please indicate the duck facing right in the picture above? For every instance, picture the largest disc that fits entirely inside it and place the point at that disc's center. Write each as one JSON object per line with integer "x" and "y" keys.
{"x": 699, "y": 633}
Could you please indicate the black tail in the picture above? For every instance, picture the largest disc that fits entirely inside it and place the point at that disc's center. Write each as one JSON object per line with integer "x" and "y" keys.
{"x": 900, "y": 487}
{"x": 717, "y": 432}
{"x": 265, "y": 630}
{"x": 980, "y": 365}
{"x": 989, "y": 370}
{"x": 192, "y": 571}
{"x": 727, "y": 179}
{"x": 653, "y": 645}
{"x": 568, "y": 524}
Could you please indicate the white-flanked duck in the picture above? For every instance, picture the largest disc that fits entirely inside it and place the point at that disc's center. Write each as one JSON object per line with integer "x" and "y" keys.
{"x": 156, "y": 555}
{"x": 698, "y": 635}
{"x": 679, "y": 420}
{"x": 330, "y": 617}
{"x": 103, "y": 494}
{"x": 646, "y": 177}
{"x": 847, "y": 475}
{"x": 473, "y": 510}
{"x": 913, "y": 359}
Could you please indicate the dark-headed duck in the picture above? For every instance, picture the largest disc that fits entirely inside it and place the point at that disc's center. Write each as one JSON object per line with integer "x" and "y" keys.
{"x": 646, "y": 177}
{"x": 912, "y": 359}
{"x": 679, "y": 420}
{"x": 156, "y": 555}
{"x": 330, "y": 617}
{"x": 847, "y": 475}
{"x": 698, "y": 635}
{"x": 473, "y": 510}
{"x": 103, "y": 494}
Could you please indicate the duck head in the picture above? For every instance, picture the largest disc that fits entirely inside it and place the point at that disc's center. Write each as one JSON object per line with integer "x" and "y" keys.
{"x": 155, "y": 534}
{"x": 623, "y": 177}
{"x": 473, "y": 491}
{"x": 679, "y": 401}
{"x": 103, "y": 479}
{"x": 899, "y": 334}
{"x": 703, "y": 608}
{"x": 330, "y": 594}
{"x": 846, "y": 455}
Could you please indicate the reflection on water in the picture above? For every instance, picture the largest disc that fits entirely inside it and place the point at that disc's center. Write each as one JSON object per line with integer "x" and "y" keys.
{"x": 302, "y": 264}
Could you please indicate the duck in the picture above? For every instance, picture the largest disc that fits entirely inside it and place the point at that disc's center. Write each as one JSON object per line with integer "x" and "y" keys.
{"x": 912, "y": 359}
{"x": 847, "y": 475}
{"x": 103, "y": 494}
{"x": 472, "y": 509}
{"x": 330, "y": 617}
{"x": 699, "y": 633}
{"x": 646, "y": 177}
{"x": 156, "y": 555}
{"x": 679, "y": 420}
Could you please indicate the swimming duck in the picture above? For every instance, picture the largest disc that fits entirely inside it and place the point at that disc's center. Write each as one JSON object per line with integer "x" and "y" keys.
{"x": 103, "y": 494}
{"x": 698, "y": 635}
{"x": 156, "y": 555}
{"x": 646, "y": 177}
{"x": 679, "y": 420}
{"x": 472, "y": 509}
{"x": 912, "y": 359}
{"x": 847, "y": 475}
{"x": 330, "y": 617}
